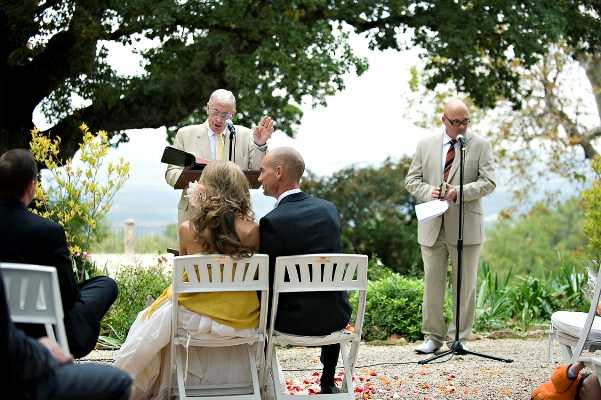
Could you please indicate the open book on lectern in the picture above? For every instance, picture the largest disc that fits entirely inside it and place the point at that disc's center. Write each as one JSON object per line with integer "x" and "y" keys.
{"x": 181, "y": 158}
{"x": 192, "y": 169}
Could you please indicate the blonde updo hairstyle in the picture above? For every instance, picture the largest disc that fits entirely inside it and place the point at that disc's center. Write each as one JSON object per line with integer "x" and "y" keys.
{"x": 226, "y": 196}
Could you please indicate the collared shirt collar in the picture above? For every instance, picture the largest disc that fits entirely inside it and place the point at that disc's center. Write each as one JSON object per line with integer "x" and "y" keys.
{"x": 211, "y": 133}
{"x": 445, "y": 138}
{"x": 287, "y": 193}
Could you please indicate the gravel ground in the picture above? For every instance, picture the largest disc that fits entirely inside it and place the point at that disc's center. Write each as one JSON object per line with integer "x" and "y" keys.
{"x": 391, "y": 372}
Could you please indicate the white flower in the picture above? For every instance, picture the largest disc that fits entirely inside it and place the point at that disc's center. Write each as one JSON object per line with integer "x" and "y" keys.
{"x": 195, "y": 194}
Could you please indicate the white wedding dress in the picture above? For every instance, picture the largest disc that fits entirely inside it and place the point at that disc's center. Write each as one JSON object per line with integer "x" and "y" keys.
{"x": 145, "y": 355}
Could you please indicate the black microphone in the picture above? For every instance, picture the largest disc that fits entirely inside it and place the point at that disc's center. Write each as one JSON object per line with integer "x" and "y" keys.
{"x": 461, "y": 139}
{"x": 231, "y": 128}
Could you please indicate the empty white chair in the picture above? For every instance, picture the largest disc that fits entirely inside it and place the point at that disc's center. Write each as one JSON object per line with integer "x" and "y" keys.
{"x": 33, "y": 296}
{"x": 577, "y": 331}
{"x": 314, "y": 273}
{"x": 220, "y": 273}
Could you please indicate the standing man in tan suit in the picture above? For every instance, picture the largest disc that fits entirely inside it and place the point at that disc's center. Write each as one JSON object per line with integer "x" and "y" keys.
{"x": 211, "y": 141}
{"x": 434, "y": 174}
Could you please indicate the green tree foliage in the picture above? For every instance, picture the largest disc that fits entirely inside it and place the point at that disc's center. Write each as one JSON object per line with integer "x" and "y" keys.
{"x": 592, "y": 203}
{"x": 269, "y": 53}
{"x": 541, "y": 241}
{"x": 557, "y": 127}
{"x": 394, "y": 306}
{"x": 376, "y": 211}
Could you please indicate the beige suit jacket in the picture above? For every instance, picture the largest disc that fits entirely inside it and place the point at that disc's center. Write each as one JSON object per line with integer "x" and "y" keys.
{"x": 195, "y": 139}
{"x": 425, "y": 174}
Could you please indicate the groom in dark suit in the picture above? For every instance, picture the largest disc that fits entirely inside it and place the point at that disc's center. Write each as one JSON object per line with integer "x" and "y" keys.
{"x": 30, "y": 239}
{"x": 301, "y": 224}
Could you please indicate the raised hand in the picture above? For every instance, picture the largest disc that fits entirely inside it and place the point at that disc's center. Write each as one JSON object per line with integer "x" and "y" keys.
{"x": 263, "y": 131}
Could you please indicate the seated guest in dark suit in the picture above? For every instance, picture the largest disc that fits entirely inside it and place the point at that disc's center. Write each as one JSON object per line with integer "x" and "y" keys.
{"x": 301, "y": 224}
{"x": 38, "y": 369}
{"x": 30, "y": 239}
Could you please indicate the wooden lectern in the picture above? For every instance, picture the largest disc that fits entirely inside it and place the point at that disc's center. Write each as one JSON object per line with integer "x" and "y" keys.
{"x": 189, "y": 175}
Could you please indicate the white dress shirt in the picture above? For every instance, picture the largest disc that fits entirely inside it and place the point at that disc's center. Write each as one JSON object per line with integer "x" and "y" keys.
{"x": 446, "y": 145}
{"x": 212, "y": 142}
{"x": 286, "y": 193}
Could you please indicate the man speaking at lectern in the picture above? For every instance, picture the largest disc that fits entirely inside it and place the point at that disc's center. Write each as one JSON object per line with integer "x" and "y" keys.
{"x": 434, "y": 174}
{"x": 211, "y": 141}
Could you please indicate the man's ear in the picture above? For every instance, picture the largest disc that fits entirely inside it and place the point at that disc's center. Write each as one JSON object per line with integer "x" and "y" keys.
{"x": 31, "y": 188}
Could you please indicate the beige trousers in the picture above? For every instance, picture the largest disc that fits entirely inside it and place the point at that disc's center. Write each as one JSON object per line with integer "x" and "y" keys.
{"x": 436, "y": 261}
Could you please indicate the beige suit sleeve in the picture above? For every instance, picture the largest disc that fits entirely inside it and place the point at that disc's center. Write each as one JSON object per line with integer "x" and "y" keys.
{"x": 414, "y": 181}
{"x": 173, "y": 171}
{"x": 486, "y": 182}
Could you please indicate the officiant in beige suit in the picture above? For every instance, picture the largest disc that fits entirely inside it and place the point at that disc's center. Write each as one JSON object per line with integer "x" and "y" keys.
{"x": 434, "y": 174}
{"x": 211, "y": 141}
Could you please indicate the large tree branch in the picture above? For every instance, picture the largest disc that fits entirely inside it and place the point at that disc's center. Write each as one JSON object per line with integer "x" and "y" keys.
{"x": 75, "y": 48}
{"x": 143, "y": 107}
{"x": 590, "y": 63}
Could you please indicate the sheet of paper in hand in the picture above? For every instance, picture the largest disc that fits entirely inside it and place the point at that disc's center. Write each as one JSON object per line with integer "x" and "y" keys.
{"x": 430, "y": 209}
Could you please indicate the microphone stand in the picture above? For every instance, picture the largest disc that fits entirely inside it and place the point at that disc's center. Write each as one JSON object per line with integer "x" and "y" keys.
{"x": 232, "y": 130}
{"x": 457, "y": 347}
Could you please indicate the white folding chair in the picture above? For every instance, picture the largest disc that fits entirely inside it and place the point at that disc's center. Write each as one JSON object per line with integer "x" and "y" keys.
{"x": 33, "y": 296}
{"x": 313, "y": 273}
{"x": 577, "y": 331}
{"x": 220, "y": 273}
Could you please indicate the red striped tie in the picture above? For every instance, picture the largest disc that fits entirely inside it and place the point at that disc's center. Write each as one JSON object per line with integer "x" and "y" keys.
{"x": 450, "y": 158}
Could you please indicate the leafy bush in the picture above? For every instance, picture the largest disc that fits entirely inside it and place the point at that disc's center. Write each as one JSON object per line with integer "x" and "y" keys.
{"x": 529, "y": 300}
{"x": 592, "y": 214}
{"x": 493, "y": 305}
{"x": 73, "y": 194}
{"x": 376, "y": 270}
{"x": 137, "y": 287}
{"x": 376, "y": 212}
{"x": 538, "y": 242}
{"x": 394, "y": 306}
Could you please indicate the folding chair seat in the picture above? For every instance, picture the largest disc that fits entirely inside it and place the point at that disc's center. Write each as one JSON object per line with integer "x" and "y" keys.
{"x": 577, "y": 331}
{"x": 314, "y": 273}
{"x": 33, "y": 296}
{"x": 219, "y": 273}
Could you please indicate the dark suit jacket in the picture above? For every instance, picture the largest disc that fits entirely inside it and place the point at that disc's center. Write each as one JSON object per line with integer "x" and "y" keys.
{"x": 26, "y": 362}
{"x": 31, "y": 239}
{"x": 302, "y": 224}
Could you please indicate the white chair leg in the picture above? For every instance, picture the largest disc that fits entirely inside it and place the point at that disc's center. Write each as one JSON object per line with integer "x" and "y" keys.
{"x": 252, "y": 363}
{"x": 50, "y": 331}
{"x": 347, "y": 382}
{"x": 181, "y": 389}
{"x": 277, "y": 376}
{"x": 551, "y": 333}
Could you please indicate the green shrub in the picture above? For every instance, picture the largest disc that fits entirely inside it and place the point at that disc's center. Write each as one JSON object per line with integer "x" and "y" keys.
{"x": 527, "y": 300}
{"x": 394, "y": 306}
{"x": 493, "y": 305}
{"x": 376, "y": 270}
{"x": 592, "y": 212}
{"x": 137, "y": 287}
